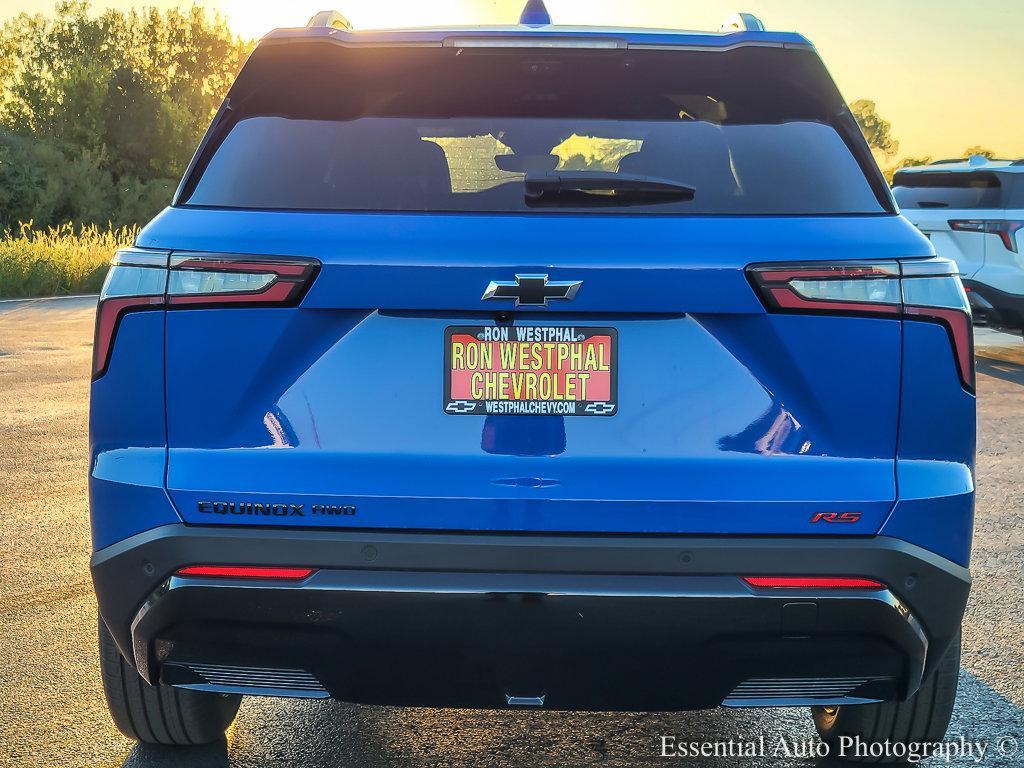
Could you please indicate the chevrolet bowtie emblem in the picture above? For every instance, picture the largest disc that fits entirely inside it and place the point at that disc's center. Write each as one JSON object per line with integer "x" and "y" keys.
{"x": 532, "y": 290}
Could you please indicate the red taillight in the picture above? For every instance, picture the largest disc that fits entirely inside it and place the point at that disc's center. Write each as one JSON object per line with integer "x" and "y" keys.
{"x": 245, "y": 572}
{"x": 108, "y": 315}
{"x": 136, "y": 281}
{"x": 1006, "y": 230}
{"x": 841, "y": 271}
{"x": 812, "y": 582}
{"x": 140, "y": 279}
{"x": 928, "y": 290}
{"x": 206, "y": 280}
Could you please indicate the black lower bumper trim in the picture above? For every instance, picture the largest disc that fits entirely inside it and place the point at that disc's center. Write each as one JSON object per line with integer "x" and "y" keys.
{"x": 585, "y": 622}
{"x": 996, "y": 308}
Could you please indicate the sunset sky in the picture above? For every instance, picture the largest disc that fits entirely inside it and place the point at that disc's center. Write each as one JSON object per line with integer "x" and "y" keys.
{"x": 947, "y": 73}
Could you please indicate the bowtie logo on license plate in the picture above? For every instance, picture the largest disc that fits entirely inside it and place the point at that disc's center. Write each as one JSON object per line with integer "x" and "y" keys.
{"x": 532, "y": 290}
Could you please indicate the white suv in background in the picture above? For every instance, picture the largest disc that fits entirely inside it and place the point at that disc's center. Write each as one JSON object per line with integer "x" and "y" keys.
{"x": 973, "y": 211}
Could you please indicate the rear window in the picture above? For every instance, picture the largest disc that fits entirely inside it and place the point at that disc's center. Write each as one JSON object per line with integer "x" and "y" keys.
{"x": 950, "y": 189}
{"x": 438, "y": 131}
{"x": 1015, "y": 195}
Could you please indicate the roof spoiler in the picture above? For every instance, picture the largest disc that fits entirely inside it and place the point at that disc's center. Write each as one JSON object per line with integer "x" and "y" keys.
{"x": 329, "y": 19}
{"x": 742, "y": 22}
{"x": 534, "y": 13}
{"x": 975, "y": 161}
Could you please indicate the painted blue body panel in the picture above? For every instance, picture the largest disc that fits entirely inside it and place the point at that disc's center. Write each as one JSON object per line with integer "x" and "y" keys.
{"x": 699, "y": 445}
{"x": 935, "y": 470}
{"x": 728, "y": 422}
{"x": 732, "y": 420}
{"x": 128, "y": 435}
{"x": 443, "y": 261}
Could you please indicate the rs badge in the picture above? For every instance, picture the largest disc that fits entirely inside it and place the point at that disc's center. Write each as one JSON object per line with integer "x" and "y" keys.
{"x": 836, "y": 517}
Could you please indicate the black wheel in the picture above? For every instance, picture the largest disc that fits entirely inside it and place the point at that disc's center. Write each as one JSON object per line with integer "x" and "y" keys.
{"x": 921, "y": 719}
{"x": 160, "y": 714}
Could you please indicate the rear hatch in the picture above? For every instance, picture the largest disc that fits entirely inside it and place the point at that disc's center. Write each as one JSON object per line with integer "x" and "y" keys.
{"x": 963, "y": 211}
{"x": 518, "y": 298}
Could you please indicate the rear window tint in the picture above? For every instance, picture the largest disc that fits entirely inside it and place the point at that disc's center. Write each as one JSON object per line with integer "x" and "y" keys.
{"x": 403, "y": 164}
{"x": 950, "y": 189}
{"x": 432, "y": 132}
{"x": 1015, "y": 196}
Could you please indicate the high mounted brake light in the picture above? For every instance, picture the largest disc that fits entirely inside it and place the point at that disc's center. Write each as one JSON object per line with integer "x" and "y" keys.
{"x": 586, "y": 43}
{"x": 929, "y": 290}
{"x": 141, "y": 279}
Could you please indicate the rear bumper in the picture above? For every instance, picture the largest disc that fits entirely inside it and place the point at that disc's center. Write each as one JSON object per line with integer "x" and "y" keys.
{"x": 996, "y": 308}
{"x": 575, "y": 622}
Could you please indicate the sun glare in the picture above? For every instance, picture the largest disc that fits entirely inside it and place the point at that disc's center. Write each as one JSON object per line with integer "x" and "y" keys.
{"x": 254, "y": 18}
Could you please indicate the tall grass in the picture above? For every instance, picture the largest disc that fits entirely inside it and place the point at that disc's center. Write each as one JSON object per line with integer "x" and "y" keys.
{"x": 57, "y": 261}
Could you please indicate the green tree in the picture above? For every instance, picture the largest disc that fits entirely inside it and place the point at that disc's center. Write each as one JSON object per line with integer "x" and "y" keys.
{"x": 911, "y": 162}
{"x": 122, "y": 98}
{"x": 22, "y": 179}
{"x": 576, "y": 162}
{"x": 877, "y": 130}
{"x": 981, "y": 151}
{"x": 907, "y": 162}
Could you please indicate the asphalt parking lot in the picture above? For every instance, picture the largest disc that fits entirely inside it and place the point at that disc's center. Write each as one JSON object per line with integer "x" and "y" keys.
{"x": 53, "y": 712}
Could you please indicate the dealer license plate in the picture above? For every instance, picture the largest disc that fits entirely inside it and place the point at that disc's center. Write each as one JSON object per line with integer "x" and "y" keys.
{"x": 530, "y": 370}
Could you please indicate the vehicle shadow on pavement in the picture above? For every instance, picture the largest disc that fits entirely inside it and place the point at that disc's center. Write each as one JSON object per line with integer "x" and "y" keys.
{"x": 157, "y": 756}
{"x": 1000, "y": 369}
{"x": 335, "y": 735}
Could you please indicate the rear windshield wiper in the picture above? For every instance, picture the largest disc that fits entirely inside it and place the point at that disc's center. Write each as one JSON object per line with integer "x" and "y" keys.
{"x": 602, "y": 188}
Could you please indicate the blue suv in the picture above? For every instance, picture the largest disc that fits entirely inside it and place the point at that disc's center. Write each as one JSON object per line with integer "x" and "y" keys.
{"x": 535, "y": 366}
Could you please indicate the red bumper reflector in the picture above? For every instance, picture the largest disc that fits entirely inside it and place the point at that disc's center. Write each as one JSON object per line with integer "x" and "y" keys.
{"x": 812, "y": 582}
{"x": 245, "y": 572}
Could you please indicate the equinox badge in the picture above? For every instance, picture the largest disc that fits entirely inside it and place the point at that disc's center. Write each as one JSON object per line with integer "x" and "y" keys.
{"x": 532, "y": 290}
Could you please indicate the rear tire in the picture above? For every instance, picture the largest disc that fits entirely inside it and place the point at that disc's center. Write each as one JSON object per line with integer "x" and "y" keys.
{"x": 923, "y": 718}
{"x": 160, "y": 714}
